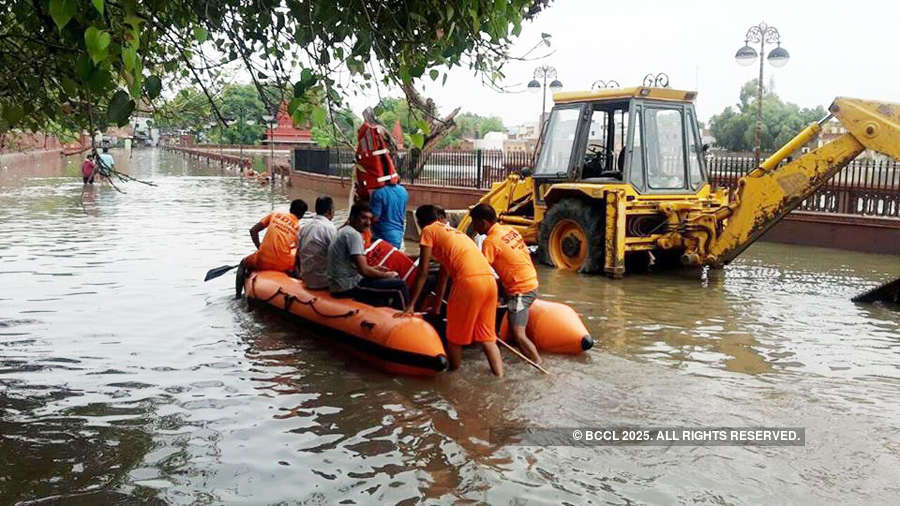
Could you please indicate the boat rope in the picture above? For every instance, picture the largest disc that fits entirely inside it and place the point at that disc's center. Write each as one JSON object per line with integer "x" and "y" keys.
{"x": 290, "y": 299}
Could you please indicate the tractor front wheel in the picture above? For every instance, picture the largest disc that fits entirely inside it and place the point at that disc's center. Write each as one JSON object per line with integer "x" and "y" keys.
{"x": 571, "y": 236}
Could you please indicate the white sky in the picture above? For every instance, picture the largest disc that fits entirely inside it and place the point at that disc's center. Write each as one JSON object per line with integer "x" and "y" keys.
{"x": 837, "y": 48}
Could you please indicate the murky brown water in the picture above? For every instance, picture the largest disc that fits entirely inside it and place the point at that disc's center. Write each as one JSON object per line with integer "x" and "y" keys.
{"x": 124, "y": 377}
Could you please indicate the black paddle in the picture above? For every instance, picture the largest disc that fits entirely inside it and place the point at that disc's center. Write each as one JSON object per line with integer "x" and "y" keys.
{"x": 218, "y": 271}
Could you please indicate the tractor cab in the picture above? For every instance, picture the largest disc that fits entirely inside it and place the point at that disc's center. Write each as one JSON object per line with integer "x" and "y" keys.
{"x": 645, "y": 137}
{"x": 614, "y": 170}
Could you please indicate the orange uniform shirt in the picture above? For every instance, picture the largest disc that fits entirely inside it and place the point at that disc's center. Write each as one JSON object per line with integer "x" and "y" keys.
{"x": 455, "y": 251}
{"x": 505, "y": 250}
{"x": 279, "y": 246}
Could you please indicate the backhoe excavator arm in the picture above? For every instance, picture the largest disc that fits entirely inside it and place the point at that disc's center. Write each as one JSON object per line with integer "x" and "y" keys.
{"x": 766, "y": 194}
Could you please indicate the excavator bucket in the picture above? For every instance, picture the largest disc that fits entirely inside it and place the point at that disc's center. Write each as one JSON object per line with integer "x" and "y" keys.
{"x": 876, "y": 125}
{"x": 888, "y": 292}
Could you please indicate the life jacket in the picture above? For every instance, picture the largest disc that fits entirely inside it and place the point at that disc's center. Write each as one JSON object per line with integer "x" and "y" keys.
{"x": 386, "y": 255}
{"x": 375, "y": 165}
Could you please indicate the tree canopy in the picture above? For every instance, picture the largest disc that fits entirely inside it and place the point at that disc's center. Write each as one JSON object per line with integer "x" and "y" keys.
{"x": 75, "y": 64}
{"x": 735, "y": 128}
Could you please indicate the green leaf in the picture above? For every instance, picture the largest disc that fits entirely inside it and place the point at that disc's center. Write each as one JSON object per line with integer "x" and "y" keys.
{"x": 98, "y": 4}
{"x": 319, "y": 116}
{"x": 444, "y": 80}
{"x": 546, "y": 38}
{"x": 417, "y": 140}
{"x": 69, "y": 85}
{"x": 200, "y": 34}
{"x": 434, "y": 74}
{"x": 120, "y": 107}
{"x": 294, "y": 104}
{"x": 97, "y": 43}
{"x": 62, "y": 12}
{"x": 84, "y": 67}
{"x": 13, "y": 113}
{"x": 99, "y": 80}
{"x": 404, "y": 74}
{"x": 153, "y": 86}
{"x": 129, "y": 57}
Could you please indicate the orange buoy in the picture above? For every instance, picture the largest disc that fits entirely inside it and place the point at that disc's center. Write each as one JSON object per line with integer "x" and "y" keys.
{"x": 408, "y": 345}
{"x": 553, "y": 327}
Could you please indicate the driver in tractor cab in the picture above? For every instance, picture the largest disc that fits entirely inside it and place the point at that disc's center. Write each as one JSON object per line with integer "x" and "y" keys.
{"x": 374, "y": 156}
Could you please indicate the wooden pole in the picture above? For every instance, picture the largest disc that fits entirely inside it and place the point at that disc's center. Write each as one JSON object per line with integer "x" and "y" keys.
{"x": 523, "y": 357}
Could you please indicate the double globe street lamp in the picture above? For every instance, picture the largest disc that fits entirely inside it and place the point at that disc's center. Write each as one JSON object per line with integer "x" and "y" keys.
{"x": 544, "y": 72}
{"x": 745, "y": 56}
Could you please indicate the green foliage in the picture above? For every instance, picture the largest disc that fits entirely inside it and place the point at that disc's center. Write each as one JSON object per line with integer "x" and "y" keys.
{"x": 735, "y": 128}
{"x": 341, "y": 131}
{"x": 472, "y": 126}
{"x": 416, "y": 129}
{"x": 64, "y": 61}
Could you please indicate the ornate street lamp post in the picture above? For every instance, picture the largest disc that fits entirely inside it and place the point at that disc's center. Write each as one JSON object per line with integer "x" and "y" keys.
{"x": 270, "y": 123}
{"x": 778, "y": 57}
{"x": 605, "y": 84}
{"x": 544, "y": 72}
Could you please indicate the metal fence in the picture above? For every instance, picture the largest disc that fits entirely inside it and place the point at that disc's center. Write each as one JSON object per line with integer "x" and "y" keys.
{"x": 864, "y": 187}
{"x": 462, "y": 169}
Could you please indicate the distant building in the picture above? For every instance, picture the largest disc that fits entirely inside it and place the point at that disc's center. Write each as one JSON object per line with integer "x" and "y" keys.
{"x": 285, "y": 132}
{"x": 492, "y": 141}
{"x": 519, "y": 145}
{"x": 521, "y": 138}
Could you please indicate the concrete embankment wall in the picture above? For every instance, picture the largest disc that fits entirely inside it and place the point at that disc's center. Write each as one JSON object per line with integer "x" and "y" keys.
{"x": 31, "y": 161}
{"x": 828, "y": 230}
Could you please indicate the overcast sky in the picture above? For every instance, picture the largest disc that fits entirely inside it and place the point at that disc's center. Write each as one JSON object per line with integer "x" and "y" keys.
{"x": 837, "y": 48}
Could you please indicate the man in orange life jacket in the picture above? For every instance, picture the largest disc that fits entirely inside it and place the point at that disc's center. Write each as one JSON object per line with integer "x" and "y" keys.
{"x": 472, "y": 305}
{"x": 504, "y": 248}
{"x": 278, "y": 250}
{"x": 374, "y": 153}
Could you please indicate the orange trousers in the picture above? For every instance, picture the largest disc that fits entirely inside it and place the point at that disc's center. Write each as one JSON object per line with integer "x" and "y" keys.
{"x": 472, "y": 310}
{"x": 257, "y": 262}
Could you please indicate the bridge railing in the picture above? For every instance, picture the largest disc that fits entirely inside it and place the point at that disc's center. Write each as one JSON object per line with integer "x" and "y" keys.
{"x": 865, "y": 187}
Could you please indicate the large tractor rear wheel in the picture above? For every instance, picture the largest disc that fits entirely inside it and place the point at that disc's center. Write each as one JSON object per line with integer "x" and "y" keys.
{"x": 571, "y": 236}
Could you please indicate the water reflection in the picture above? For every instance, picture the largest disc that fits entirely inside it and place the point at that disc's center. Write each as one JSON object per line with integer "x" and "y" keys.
{"x": 125, "y": 378}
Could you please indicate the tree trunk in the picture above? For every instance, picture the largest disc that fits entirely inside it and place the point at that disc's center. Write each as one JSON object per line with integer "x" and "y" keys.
{"x": 440, "y": 127}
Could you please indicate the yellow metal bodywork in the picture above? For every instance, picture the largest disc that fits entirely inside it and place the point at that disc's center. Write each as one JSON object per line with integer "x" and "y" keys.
{"x": 711, "y": 227}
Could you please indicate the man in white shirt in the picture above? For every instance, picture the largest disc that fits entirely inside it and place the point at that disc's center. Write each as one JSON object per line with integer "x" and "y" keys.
{"x": 314, "y": 239}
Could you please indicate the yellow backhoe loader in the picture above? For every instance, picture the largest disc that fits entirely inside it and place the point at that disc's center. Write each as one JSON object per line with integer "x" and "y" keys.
{"x": 621, "y": 173}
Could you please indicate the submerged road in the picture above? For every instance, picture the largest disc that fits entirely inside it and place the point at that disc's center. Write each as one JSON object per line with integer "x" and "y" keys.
{"x": 124, "y": 377}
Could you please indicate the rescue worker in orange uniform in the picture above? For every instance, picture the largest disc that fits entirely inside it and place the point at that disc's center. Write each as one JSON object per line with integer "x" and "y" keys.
{"x": 278, "y": 250}
{"x": 374, "y": 155}
{"x": 504, "y": 248}
{"x": 472, "y": 306}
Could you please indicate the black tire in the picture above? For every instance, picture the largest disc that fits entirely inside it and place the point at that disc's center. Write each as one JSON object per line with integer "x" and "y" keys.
{"x": 566, "y": 214}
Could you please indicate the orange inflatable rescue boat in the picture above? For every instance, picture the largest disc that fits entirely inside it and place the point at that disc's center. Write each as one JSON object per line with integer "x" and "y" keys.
{"x": 552, "y": 326}
{"x": 407, "y": 346}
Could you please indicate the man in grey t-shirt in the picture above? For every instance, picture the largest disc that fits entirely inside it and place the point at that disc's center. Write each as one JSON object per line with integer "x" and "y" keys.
{"x": 350, "y": 275}
{"x": 313, "y": 241}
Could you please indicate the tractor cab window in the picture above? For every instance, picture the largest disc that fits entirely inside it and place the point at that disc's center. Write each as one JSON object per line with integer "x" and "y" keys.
{"x": 556, "y": 150}
{"x": 604, "y": 155}
{"x": 695, "y": 153}
{"x": 664, "y": 148}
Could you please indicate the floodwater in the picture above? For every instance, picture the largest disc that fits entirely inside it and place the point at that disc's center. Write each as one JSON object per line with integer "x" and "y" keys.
{"x": 125, "y": 378}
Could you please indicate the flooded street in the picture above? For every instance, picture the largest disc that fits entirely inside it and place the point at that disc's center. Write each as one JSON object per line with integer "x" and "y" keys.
{"x": 125, "y": 377}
